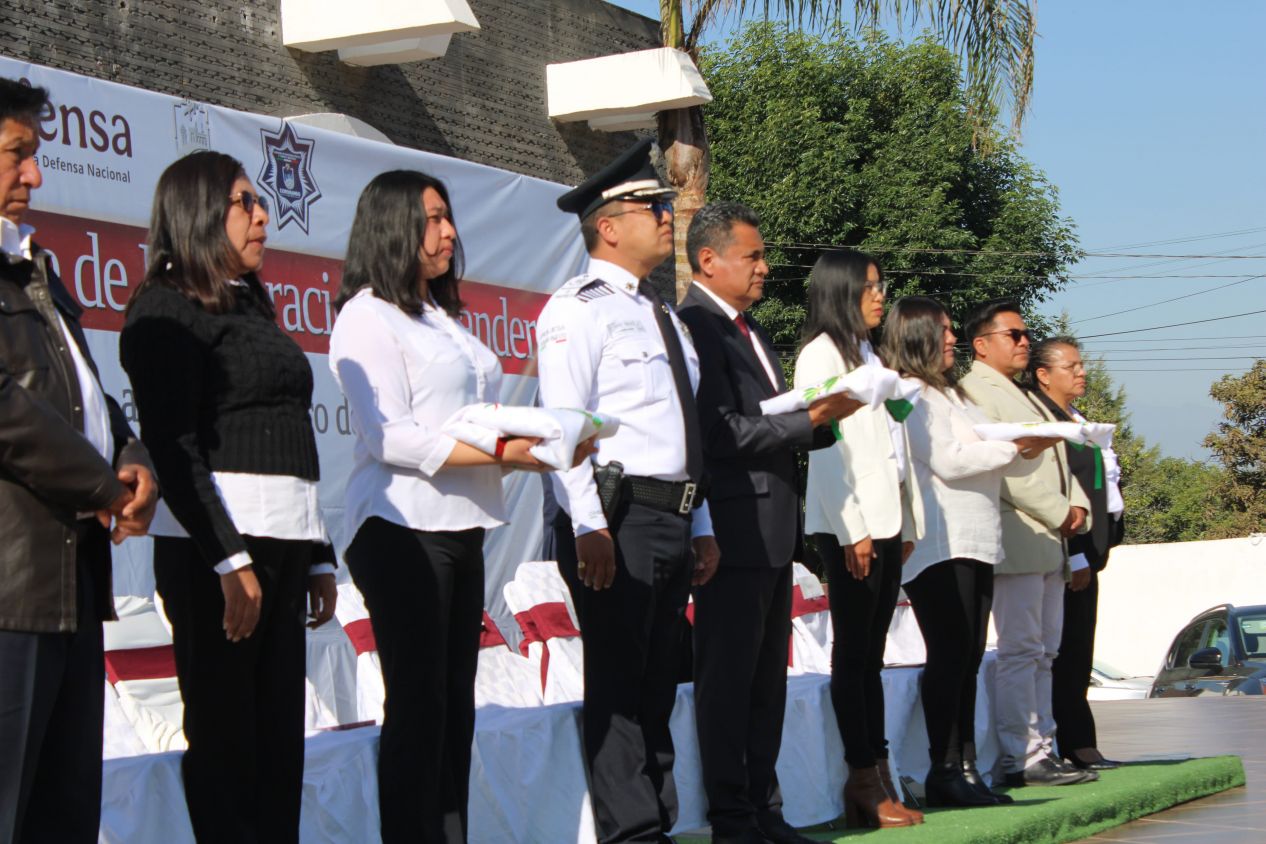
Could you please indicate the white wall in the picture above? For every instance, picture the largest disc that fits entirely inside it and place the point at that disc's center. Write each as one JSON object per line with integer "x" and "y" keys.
{"x": 1148, "y": 592}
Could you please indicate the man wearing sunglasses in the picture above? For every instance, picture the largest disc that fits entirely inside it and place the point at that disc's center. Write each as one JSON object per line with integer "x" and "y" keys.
{"x": 1041, "y": 506}
{"x": 632, "y": 533}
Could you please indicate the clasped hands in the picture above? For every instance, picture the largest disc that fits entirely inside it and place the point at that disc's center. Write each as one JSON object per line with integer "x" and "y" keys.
{"x": 595, "y": 552}
{"x": 133, "y": 510}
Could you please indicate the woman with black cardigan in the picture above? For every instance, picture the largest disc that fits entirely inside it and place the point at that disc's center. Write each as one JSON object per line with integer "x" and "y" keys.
{"x": 1058, "y": 376}
{"x": 240, "y": 546}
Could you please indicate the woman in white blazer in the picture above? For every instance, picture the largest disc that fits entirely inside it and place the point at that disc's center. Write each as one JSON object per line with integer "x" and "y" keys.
{"x": 949, "y": 576}
{"x": 863, "y": 518}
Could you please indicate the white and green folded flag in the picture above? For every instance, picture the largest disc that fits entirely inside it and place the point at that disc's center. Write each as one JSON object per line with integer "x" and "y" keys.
{"x": 1079, "y": 433}
{"x": 559, "y": 430}
{"x": 874, "y": 385}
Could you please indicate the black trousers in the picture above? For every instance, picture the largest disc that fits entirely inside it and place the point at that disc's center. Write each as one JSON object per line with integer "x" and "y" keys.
{"x": 243, "y": 771}
{"x": 50, "y": 720}
{"x": 632, "y": 634}
{"x": 741, "y": 628}
{"x": 861, "y": 611}
{"x": 425, "y": 594}
{"x": 951, "y": 601}
{"x": 1070, "y": 673}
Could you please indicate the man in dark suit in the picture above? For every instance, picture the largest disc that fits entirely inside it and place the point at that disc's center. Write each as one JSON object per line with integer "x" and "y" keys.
{"x": 743, "y": 614}
{"x": 69, "y": 467}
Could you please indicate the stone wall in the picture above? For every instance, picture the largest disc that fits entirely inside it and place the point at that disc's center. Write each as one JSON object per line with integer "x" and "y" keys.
{"x": 484, "y": 101}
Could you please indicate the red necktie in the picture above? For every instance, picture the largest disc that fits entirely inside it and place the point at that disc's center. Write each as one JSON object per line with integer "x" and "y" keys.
{"x": 741, "y": 322}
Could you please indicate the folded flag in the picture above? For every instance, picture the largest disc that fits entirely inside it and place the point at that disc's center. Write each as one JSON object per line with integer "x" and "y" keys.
{"x": 1079, "y": 433}
{"x": 560, "y": 430}
{"x": 874, "y": 385}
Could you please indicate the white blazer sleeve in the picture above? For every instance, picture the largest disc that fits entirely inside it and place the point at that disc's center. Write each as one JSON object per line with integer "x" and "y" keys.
{"x": 567, "y": 364}
{"x": 369, "y": 366}
{"x": 933, "y": 441}
{"x": 830, "y": 478}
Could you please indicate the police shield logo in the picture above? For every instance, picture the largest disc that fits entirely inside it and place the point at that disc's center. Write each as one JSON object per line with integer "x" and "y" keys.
{"x": 287, "y": 175}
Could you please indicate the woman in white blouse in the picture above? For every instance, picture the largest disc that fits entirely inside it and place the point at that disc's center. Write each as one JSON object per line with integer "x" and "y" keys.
{"x": 949, "y": 576}
{"x": 863, "y": 517}
{"x": 418, "y": 501}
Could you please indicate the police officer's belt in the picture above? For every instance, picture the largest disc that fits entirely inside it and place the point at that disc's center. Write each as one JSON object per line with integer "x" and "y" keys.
{"x": 673, "y": 496}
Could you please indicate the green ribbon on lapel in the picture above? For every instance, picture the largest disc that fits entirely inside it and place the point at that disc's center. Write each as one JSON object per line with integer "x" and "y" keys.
{"x": 1098, "y": 460}
{"x": 899, "y": 409}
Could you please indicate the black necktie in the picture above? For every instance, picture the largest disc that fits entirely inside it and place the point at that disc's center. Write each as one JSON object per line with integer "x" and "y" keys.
{"x": 681, "y": 377}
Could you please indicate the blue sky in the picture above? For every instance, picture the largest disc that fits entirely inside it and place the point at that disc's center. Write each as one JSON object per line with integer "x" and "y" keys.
{"x": 1150, "y": 118}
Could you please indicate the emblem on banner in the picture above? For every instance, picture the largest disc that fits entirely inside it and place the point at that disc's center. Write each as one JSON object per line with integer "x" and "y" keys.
{"x": 192, "y": 123}
{"x": 287, "y": 175}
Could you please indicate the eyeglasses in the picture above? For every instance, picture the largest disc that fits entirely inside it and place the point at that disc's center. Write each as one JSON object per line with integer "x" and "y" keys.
{"x": 658, "y": 209}
{"x": 248, "y": 201}
{"x": 1071, "y": 367}
{"x": 881, "y": 287}
{"x": 1016, "y": 334}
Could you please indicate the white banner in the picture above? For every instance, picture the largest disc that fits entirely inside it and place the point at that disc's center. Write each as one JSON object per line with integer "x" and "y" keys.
{"x": 103, "y": 147}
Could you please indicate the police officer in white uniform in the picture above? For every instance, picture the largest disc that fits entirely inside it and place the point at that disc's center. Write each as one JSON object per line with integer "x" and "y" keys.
{"x": 608, "y": 343}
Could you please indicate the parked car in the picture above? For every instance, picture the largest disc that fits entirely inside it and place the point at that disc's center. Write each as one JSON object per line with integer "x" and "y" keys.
{"x": 1222, "y": 651}
{"x": 1108, "y": 683}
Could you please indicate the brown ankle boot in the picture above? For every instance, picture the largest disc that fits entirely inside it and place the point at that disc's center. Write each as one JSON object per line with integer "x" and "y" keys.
{"x": 866, "y": 803}
{"x": 885, "y": 777}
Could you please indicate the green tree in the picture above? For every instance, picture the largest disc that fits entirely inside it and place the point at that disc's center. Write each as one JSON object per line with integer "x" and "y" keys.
{"x": 994, "y": 39}
{"x": 1167, "y": 499}
{"x": 1239, "y": 443}
{"x": 869, "y": 144}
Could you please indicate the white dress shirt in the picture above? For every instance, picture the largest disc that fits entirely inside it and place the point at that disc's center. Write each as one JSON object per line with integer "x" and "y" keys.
{"x": 758, "y": 346}
{"x": 961, "y": 476}
{"x": 403, "y": 377}
{"x": 599, "y": 348}
{"x": 273, "y": 506}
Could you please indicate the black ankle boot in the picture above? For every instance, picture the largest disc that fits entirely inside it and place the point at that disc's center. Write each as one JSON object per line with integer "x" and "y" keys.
{"x": 976, "y": 781}
{"x": 946, "y": 786}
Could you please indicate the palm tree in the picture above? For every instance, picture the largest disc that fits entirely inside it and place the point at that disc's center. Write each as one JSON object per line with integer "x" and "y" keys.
{"x": 994, "y": 38}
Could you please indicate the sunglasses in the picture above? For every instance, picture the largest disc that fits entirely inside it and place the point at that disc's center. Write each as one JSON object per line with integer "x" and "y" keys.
{"x": 1015, "y": 334}
{"x": 658, "y": 209}
{"x": 248, "y": 201}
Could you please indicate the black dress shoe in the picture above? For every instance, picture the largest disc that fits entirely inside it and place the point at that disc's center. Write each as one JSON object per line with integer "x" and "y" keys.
{"x": 1100, "y": 764}
{"x": 1047, "y": 772}
{"x": 776, "y": 830}
{"x": 976, "y": 781}
{"x": 1068, "y": 768}
{"x": 946, "y": 786}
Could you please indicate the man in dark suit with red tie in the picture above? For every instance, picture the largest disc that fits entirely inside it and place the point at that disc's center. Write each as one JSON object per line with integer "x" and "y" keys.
{"x": 743, "y": 614}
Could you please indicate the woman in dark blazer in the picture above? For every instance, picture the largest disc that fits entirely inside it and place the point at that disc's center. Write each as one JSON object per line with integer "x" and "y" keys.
{"x": 1058, "y": 376}
{"x": 240, "y": 546}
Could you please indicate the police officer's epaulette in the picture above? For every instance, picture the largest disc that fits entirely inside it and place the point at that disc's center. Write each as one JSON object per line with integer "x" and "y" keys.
{"x": 595, "y": 289}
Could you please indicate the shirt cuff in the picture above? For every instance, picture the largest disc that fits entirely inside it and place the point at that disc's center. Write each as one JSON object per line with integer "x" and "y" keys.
{"x": 240, "y": 560}
{"x": 320, "y": 568}
{"x": 438, "y": 456}
{"x": 701, "y": 522}
{"x": 1077, "y": 562}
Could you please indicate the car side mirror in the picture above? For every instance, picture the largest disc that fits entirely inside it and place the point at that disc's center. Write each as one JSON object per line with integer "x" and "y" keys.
{"x": 1206, "y": 659}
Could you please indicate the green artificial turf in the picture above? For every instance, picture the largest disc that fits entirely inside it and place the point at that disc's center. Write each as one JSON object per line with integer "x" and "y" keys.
{"x": 1053, "y": 815}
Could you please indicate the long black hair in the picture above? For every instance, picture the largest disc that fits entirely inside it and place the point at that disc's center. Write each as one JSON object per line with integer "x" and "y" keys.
{"x": 382, "y": 250}
{"x": 836, "y": 284}
{"x": 188, "y": 248}
{"x": 914, "y": 342}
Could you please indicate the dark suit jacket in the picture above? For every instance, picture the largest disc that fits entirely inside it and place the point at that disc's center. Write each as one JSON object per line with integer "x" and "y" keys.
{"x": 1105, "y": 532}
{"x": 754, "y": 493}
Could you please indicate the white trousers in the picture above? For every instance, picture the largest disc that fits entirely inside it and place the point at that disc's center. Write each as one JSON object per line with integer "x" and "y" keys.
{"x": 1028, "y": 612}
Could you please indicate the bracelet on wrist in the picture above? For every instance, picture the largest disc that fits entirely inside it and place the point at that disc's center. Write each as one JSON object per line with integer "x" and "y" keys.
{"x": 501, "y": 447}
